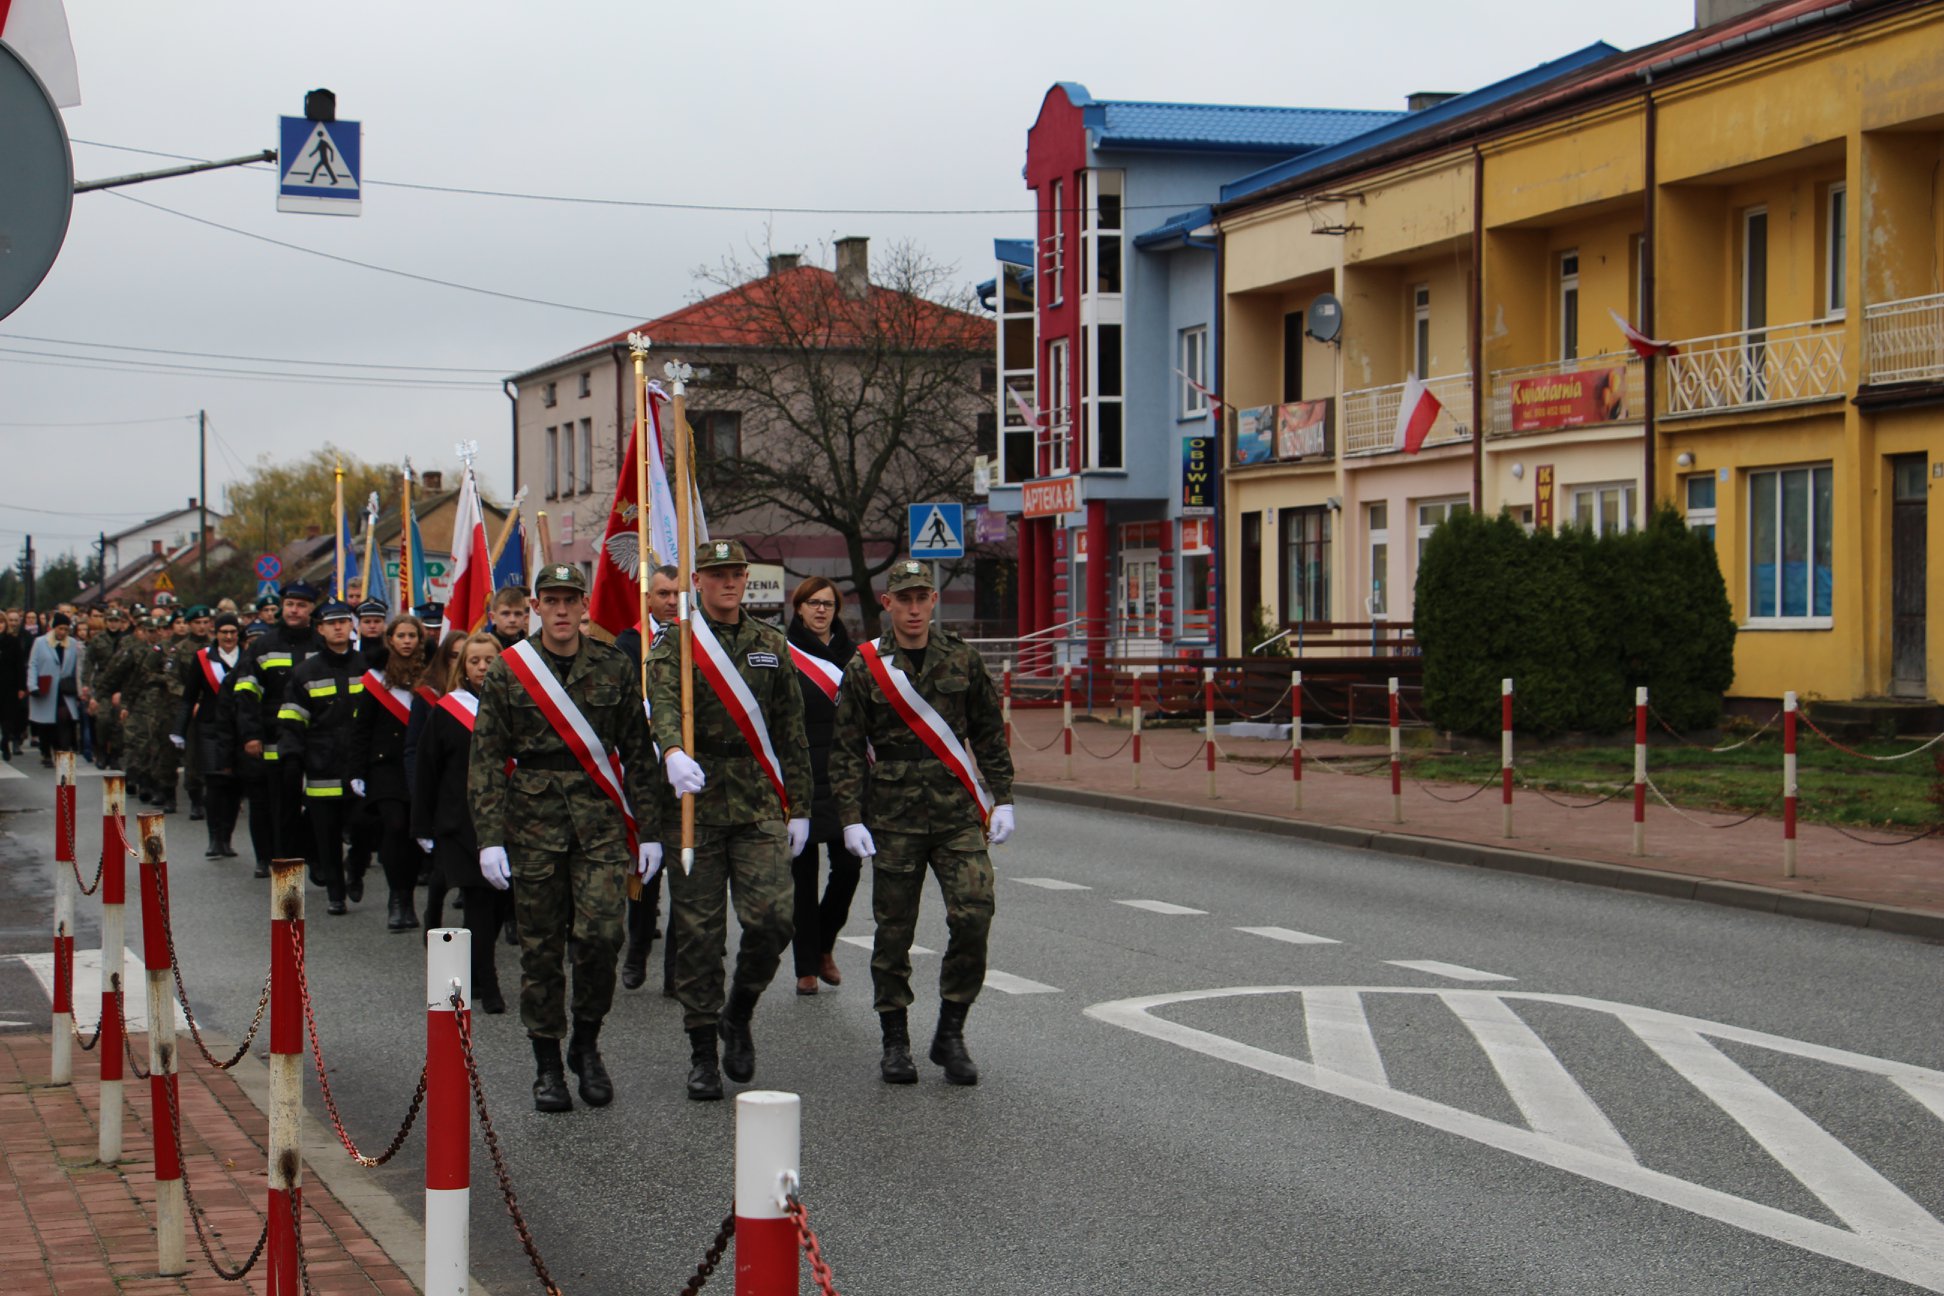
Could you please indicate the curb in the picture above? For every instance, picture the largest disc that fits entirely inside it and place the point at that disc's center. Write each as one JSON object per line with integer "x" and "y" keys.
{"x": 1920, "y": 923}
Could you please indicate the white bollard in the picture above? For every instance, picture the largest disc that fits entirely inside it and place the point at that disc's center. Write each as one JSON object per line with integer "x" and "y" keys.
{"x": 448, "y": 1123}
{"x": 769, "y": 1138}
{"x": 1640, "y": 772}
{"x": 1505, "y": 757}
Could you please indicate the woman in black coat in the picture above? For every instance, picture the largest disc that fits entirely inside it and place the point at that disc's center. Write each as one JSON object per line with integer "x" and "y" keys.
{"x": 442, "y": 818}
{"x": 817, "y": 631}
{"x": 379, "y": 773}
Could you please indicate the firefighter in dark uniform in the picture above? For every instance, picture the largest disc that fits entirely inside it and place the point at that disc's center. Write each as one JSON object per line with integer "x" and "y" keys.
{"x": 318, "y": 726}
{"x": 276, "y": 794}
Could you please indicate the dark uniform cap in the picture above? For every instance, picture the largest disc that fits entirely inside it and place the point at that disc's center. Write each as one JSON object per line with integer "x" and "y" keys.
{"x": 432, "y": 613}
{"x": 909, "y": 573}
{"x": 226, "y": 619}
{"x": 256, "y": 628}
{"x": 114, "y": 612}
{"x": 567, "y": 576}
{"x": 299, "y": 590}
{"x": 198, "y": 610}
{"x": 139, "y": 610}
{"x": 372, "y": 607}
{"x": 721, "y": 553}
{"x": 335, "y": 610}
{"x": 266, "y": 602}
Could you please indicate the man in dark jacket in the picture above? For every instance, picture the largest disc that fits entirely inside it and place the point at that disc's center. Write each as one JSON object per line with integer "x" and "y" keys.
{"x": 276, "y": 793}
{"x": 205, "y": 727}
{"x": 318, "y": 724}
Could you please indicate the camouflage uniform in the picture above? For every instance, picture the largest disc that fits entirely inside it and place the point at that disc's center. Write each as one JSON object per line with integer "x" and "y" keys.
{"x": 918, "y": 813}
{"x": 565, "y": 841}
{"x": 157, "y": 711}
{"x": 741, "y": 847}
{"x": 107, "y": 723}
{"x": 120, "y": 676}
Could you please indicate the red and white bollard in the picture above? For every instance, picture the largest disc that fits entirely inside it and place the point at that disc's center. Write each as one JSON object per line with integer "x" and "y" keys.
{"x": 769, "y": 1139}
{"x": 1208, "y": 724}
{"x": 1066, "y": 716}
{"x": 1640, "y": 771}
{"x": 1005, "y": 700}
{"x": 286, "y": 1076}
{"x": 1788, "y": 785}
{"x": 1396, "y": 758}
{"x": 1137, "y": 727}
{"x": 170, "y": 1220}
{"x": 448, "y": 1121}
{"x": 60, "y": 1066}
{"x": 1505, "y": 757}
{"x": 114, "y": 934}
{"x": 1296, "y": 734}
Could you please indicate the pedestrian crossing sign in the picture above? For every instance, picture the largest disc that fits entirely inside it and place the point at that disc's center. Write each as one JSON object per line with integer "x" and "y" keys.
{"x": 936, "y": 530}
{"x": 318, "y": 167}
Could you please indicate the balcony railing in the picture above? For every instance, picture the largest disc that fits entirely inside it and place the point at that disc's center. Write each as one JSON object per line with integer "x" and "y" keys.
{"x": 1903, "y": 341}
{"x": 1567, "y": 393}
{"x": 1370, "y": 415}
{"x": 1787, "y": 364}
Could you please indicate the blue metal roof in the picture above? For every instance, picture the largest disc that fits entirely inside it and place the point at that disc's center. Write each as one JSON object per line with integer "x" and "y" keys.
{"x": 1411, "y": 123}
{"x": 1223, "y": 128}
{"x": 1178, "y": 226}
{"x": 1013, "y": 251}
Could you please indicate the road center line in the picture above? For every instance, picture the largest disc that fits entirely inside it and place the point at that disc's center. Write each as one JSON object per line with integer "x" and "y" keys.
{"x": 1051, "y": 884}
{"x": 1455, "y": 971}
{"x": 1160, "y": 907}
{"x": 1289, "y": 937}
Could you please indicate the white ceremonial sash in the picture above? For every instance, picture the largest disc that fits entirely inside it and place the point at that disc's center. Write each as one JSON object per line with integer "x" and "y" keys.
{"x": 926, "y": 723}
{"x": 534, "y": 675}
{"x": 733, "y": 692}
{"x": 818, "y": 671}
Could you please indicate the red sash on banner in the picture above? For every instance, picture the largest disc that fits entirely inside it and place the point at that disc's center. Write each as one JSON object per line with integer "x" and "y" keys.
{"x": 213, "y": 670}
{"x": 537, "y": 678}
{"x": 376, "y": 687}
{"x": 926, "y": 723}
{"x": 463, "y": 707}
{"x": 733, "y": 692}
{"x": 818, "y": 671}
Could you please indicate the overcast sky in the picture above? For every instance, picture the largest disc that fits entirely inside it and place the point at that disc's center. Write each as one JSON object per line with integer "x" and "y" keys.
{"x": 842, "y": 105}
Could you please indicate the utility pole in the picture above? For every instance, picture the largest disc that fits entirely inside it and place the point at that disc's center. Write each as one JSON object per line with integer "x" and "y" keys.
{"x": 27, "y": 575}
{"x": 202, "y": 492}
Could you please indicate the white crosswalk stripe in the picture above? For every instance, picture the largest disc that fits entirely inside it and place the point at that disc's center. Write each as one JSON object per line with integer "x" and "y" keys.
{"x": 1051, "y": 884}
{"x": 1289, "y": 937}
{"x": 1454, "y": 971}
{"x": 1160, "y": 907}
{"x": 1007, "y": 983}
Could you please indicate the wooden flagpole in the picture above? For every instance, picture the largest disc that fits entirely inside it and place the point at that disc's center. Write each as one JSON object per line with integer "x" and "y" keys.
{"x": 639, "y": 343}
{"x": 407, "y": 599}
{"x": 542, "y": 542}
{"x": 678, "y": 376}
{"x": 337, "y": 538}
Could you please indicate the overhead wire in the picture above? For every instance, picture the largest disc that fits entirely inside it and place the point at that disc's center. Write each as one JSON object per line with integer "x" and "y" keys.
{"x": 97, "y": 423}
{"x": 58, "y": 360}
{"x": 296, "y": 360}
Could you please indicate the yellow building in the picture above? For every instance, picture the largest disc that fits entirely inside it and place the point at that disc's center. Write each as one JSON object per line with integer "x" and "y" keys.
{"x": 1762, "y": 193}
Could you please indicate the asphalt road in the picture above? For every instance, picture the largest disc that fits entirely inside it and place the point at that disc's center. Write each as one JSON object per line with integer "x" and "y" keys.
{"x": 1652, "y": 1096}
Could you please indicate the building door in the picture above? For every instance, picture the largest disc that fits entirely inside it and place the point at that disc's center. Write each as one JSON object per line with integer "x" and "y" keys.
{"x": 1140, "y": 594}
{"x": 1908, "y": 537}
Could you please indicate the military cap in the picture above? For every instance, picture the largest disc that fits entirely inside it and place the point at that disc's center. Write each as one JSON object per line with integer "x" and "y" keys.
{"x": 560, "y": 576}
{"x": 909, "y": 573}
{"x": 299, "y": 590}
{"x": 335, "y": 610}
{"x": 372, "y": 607}
{"x": 256, "y": 628}
{"x": 267, "y": 601}
{"x": 114, "y": 612}
{"x": 140, "y": 611}
{"x": 721, "y": 553}
{"x": 198, "y": 610}
{"x": 432, "y": 612}
{"x": 226, "y": 619}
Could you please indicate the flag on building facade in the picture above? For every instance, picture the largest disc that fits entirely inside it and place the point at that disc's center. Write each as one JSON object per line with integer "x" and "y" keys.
{"x": 471, "y": 568}
{"x": 1416, "y": 412}
{"x": 1644, "y": 346}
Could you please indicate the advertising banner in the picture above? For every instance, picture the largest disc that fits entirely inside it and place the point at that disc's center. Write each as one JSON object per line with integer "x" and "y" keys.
{"x": 1049, "y": 497}
{"x": 1302, "y": 430}
{"x": 1572, "y": 399}
{"x": 1197, "y": 475}
{"x": 1255, "y": 435}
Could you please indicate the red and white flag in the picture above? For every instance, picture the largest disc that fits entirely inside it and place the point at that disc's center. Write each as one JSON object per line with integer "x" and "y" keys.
{"x": 1215, "y": 403}
{"x": 1416, "y": 412}
{"x": 819, "y": 672}
{"x": 615, "y": 604}
{"x": 1644, "y": 346}
{"x": 1025, "y": 407}
{"x": 472, "y": 564}
{"x": 37, "y": 30}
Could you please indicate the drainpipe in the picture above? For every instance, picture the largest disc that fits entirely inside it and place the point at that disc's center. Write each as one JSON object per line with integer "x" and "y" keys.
{"x": 1648, "y": 243}
{"x": 1475, "y": 326}
{"x": 512, "y": 391}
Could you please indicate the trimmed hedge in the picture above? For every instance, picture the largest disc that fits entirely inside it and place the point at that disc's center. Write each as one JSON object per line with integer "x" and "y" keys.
{"x": 1576, "y": 621}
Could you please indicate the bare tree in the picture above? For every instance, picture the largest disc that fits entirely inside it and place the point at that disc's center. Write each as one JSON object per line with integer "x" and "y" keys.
{"x": 857, "y": 398}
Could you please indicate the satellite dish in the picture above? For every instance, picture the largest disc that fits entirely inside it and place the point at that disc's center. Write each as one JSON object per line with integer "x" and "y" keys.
{"x": 36, "y": 182}
{"x": 1324, "y": 319}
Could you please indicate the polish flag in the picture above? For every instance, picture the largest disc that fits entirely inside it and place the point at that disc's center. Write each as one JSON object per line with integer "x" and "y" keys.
{"x": 1644, "y": 346}
{"x": 1416, "y": 412}
{"x": 1025, "y": 407}
{"x": 1215, "y": 402}
{"x": 37, "y": 30}
{"x": 472, "y": 564}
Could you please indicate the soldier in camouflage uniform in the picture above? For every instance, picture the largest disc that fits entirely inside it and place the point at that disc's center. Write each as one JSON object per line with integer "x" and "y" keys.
{"x": 916, "y": 815}
{"x": 116, "y": 686}
{"x": 101, "y": 652}
{"x": 743, "y": 844}
{"x": 550, "y": 827}
{"x": 158, "y": 706}
{"x": 179, "y": 680}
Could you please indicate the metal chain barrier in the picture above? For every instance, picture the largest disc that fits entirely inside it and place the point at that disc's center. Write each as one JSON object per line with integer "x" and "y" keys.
{"x": 1622, "y": 790}
{"x": 1279, "y": 762}
{"x": 1029, "y": 745}
{"x": 1096, "y": 755}
{"x": 324, "y": 1082}
{"x": 493, "y": 1147}
{"x": 1274, "y": 708}
{"x": 182, "y": 994}
{"x": 713, "y": 1256}
{"x": 297, "y": 1236}
{"x": 1727, "y": 747}
{"x": 1185, "y": 764}
{"x": 1896, "y": 841}
{"x": 1329, "y": 765}
{"x": 196, "y": 1212}
{"x": 1701, "y": 823}
{"x": 135, "y": 1068}
{"x": 1492, "y": 780}
{"x": 1865, "y": 755}
{"x": 819, "y": 1270}
{"x": 1309, "y": 700}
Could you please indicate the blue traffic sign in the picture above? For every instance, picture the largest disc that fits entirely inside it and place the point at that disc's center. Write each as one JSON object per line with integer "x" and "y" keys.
{"x": 268, "y": 567}
{"x": 936, "y": 530}
{"x": 318, "y": 166}
{"x": 266, "y": 589}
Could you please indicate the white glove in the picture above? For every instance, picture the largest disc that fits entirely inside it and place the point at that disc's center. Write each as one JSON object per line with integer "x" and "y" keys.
{"x": 799, "y": 836}
{"x": 357, "y": 787}
{"x": 425, "y": 844}
{"x": 1000, "y": 826}
{"x": 648, "y": 860}
{"x": 177, "y": 741}
{"x": 497, "y": 868}
{"x": 684, "y": 775}
{"x": 857, "y": 840}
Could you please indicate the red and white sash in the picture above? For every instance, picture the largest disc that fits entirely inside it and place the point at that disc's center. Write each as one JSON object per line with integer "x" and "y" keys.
{"x": 461, "y": 706}
{"x": 818, "y": 671}
{"x": 733, "y": 692}
{"x": 926, "y": 723}
{"x": 375, "y": 686}
{"x": 523, "y": 659}
{"x": 213, "y": 670}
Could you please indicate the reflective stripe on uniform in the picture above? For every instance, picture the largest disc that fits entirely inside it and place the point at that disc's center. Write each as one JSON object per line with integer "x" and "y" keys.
{"x": 291, "y": 711}
{"x": 274, "y": 659}
{"x": 321, "y": 688}
{"x": 270, "y": 753}
{"x": 249, "y": 686}
{"x": 357, "y": 686}
{"x": 324, "y": 788}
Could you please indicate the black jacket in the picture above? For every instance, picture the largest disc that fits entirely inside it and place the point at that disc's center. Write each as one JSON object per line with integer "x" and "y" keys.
{"x": 262, "y": 676}
{"x": 378, "y": 750}
{"x": 318, "y": 720}
{"x": 440, "y": 810}
{"x": 820, "y": 721}
{"x": 211, "y": 711}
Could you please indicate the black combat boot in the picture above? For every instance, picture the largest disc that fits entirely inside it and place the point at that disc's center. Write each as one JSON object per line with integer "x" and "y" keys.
{"x": 948, "y": 1044}
{"x": 704, "y": 1082}
{"x": 354, "y": 883}
{"x": 215, "y": 850}
{"x": 897, "y": 1067}
{"x": 584, "y": 1055}
{"x": 549, "y": 1081}
{"x": 634, "y": 967}
{"x": 738, "y": 1049}
{"x": 401, "y": 918}
{"x": 196, "y": 808}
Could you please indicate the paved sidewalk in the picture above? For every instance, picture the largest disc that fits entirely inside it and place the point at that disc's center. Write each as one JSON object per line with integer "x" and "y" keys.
{"x": 72, "y": 1226}
{"x": 1897, "y": 888}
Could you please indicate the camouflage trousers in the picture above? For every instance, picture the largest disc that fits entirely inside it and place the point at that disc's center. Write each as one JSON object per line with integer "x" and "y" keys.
{"x": 746, "y": 863}
{"x": 108, "y": 735}
{"x": 964, "y": 873}
{"x": 570, "y": 908}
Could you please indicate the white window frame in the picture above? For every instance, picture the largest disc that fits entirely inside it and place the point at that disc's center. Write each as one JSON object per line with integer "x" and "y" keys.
{"x": 1377, "y": 599}
{"x": 1640, "y": 280}
{"x": 1569, "y": 296}
{"x": 1421, "y": 330}
{"x": 587, "y": 455}
{"x": 1783, "y": 621}
{"x": 1059, "y": 406}
{"x": 1748, "y": 218}
{"x": 1193, "y": 350}
{"x": 553, "y": 463}
{"x": 1098, "y": 182}
{"x": 1695, "y": 516}
{"x": 1056, "y": 252}
{"x": 568, "y": 461}
{"x": 1836, "y": 252}
{"x": 1628, "y": 494}
{"x": 1446, "y": 505}
{"x": 586, "y": 383}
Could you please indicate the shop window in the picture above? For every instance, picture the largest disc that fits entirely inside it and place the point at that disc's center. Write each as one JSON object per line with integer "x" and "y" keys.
{"x": 1791, "y": 580}
{"x": 1606, "y": 508}
{"x": 1306, "y": 563}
